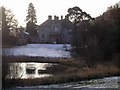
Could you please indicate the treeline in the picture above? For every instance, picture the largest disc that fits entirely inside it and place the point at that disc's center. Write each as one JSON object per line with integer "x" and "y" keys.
{"x": 96, "y": 39}
{"x": 11, "y": 31}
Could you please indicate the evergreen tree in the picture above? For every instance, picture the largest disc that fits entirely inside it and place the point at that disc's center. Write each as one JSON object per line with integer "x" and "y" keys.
{"x": 31, "y": 20}
{"x": 31, "y": 14}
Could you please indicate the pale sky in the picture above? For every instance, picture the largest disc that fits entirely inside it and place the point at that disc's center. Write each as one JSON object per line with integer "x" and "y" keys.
{"x": 55, "y": 7}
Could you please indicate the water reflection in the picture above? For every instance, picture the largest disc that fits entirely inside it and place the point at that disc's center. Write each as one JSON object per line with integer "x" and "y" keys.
{"x": 28, "y": 70}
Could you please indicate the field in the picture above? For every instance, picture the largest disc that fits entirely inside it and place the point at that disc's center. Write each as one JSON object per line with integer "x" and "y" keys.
{"x": 42, "y": 50}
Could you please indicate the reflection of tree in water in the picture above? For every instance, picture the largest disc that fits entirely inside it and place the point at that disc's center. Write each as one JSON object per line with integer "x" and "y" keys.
{"x": 15, "y": 70}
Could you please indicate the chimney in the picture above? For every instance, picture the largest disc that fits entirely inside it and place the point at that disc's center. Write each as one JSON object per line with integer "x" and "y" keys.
{"x": 49, "y": 17}
{"x": 61, "y": 17}
{"x": 56, "y": 18}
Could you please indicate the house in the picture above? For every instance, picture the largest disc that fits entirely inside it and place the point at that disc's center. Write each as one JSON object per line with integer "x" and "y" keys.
{"x": 54, "y": 31}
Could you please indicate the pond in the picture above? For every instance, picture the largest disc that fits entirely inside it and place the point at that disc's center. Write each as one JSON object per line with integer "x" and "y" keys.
{"x": 39, "y": 70}
{"x": 28, "y": 70}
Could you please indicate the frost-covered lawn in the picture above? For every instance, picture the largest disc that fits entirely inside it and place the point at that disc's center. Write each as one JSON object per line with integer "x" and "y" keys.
{"x": 96, "y": 84}
{"x": 43, "y": 50}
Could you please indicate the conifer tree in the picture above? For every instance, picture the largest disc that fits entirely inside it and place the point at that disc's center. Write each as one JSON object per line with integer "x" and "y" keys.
{"x": 31, "y": 14}
{"x": 31, "y": 20}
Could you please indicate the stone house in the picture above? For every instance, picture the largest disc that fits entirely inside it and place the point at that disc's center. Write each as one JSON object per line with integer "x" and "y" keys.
{"x": 52, "y": 31}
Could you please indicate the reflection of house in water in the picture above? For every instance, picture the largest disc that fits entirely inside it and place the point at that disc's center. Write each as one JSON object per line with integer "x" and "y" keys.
{"x": 30, "y": 70}
{"x": 53, "y": 31}
{"x": 36, "y": 68}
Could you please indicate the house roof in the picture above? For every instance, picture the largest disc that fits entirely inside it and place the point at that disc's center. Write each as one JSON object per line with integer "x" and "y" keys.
{"x": 64, "y": 23}
{"x": 48, "y": 23}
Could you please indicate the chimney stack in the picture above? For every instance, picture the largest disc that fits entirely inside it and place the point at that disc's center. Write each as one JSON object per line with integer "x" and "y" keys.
{"x": 56, "y": 18}
{"x": 49, "y": 17}
{"x": 61, "y": 17}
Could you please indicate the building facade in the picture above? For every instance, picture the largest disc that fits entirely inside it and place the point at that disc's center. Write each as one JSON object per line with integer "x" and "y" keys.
{"x": 52, "y": 31}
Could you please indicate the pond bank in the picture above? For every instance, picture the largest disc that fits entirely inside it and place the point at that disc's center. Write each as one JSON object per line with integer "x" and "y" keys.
{"x": 107, "y": 83}
{"x": 66, "y": 70}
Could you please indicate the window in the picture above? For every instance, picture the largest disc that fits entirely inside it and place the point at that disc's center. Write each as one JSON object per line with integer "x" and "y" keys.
{"x": 43, "y": 36}
{"x": 56, "y": 28}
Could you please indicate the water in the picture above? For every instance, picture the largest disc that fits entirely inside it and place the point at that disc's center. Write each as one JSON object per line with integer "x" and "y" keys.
{"x": 37, "y": 70}
{"x": 28, "y": 70}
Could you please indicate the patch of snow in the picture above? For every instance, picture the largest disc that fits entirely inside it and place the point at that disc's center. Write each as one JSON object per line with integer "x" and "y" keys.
{"x": 43, "y": 50}
{"x": 76, "y": 85}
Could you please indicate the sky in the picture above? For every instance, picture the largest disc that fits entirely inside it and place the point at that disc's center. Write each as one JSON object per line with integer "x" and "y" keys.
{"x": 55, "y": 7}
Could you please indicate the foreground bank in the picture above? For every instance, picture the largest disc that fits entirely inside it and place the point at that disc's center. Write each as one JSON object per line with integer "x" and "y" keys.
{"x": 108, "y": 83}
{"x": 62, "y": 70}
